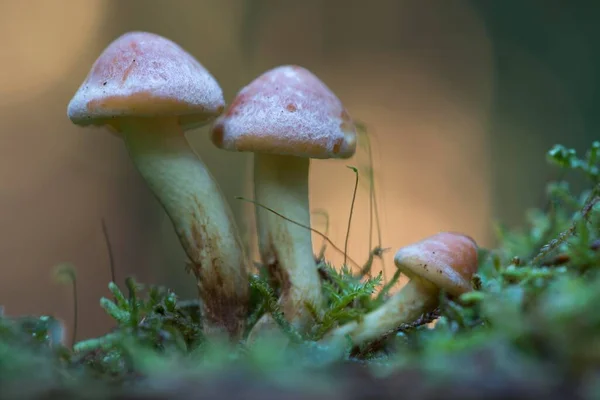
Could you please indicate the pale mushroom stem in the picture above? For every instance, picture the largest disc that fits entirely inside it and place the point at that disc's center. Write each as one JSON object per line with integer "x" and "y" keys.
{"x": 414, "y": 299}
{"x": 201, "y": 218}
{"x": 281, "y": 183}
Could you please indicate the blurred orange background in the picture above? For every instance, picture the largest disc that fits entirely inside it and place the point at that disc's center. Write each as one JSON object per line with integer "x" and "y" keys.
{"x": 462, "y": 99}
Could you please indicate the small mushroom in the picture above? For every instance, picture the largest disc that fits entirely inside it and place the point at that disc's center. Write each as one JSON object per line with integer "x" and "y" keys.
{"x": 445, "y": 261}
{"x": 286, "y": 116}
{"x": 148, "y": 91}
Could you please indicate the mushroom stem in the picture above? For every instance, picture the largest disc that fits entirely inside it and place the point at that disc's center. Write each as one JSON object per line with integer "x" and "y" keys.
{"x": 201, "y": 218}
{"x": 281, "y": 183}
{"x": 417, "y": 297}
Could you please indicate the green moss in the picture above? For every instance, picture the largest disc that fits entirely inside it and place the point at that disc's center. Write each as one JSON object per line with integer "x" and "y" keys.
{"x": 533, "y": 313}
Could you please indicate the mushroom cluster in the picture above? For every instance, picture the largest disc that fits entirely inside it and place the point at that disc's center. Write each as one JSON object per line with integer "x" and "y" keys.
{"x": 148, "y": 91}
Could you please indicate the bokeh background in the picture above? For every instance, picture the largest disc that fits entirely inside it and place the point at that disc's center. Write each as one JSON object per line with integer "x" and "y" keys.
{"x": 462, "y": 99}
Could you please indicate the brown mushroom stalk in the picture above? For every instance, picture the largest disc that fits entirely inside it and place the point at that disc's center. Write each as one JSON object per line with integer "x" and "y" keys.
{"x": 286, "y": 117}
{"x": 149, "y": 91}
{"x": 446, "y": 261}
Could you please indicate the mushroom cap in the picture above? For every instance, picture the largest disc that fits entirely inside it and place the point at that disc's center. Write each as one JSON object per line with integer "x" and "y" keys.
{"x": 142, "y": 74}
{"x": 447, "y": 259}
{"x": 288, "y": 111}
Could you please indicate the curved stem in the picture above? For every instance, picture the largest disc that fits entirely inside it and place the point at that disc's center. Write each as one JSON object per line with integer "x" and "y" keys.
{"x": 281, "y": 183}
{"x": 201, "y": 218}
{"x": 414, "y": 299}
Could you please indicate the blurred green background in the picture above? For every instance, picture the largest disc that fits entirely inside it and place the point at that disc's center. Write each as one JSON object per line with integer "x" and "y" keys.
{"x": 462, "y": 98}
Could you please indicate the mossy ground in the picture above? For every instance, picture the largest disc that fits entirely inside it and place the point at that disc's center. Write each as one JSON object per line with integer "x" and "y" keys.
{"x": 531, "y": 329}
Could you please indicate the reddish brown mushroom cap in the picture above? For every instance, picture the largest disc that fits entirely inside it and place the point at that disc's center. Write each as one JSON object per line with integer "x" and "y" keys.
{"x": 287, "y": 111}
{"x": 141, "y": 74}
{"x": 446, "y": 259}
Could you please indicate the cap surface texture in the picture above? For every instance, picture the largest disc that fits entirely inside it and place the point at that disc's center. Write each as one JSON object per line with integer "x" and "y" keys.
{"x": 142, "y": 74}
{"x": 287, "y": 111}
{"x": 446, "y": 259}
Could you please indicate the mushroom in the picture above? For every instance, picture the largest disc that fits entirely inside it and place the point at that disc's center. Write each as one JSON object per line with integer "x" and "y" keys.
{"x": 148, "y": 91}
{"x": 445, "y": 261}
{"x": 286, "y": 116}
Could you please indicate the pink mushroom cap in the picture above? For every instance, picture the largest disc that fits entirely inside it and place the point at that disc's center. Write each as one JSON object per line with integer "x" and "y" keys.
{"x": 142, "y": 74}
{"x": 288, "y": 111}
{"x": 447, "y": 259}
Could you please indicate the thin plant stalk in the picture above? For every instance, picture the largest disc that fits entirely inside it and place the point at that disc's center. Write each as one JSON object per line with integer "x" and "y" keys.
{"x": 351, "y": 213}
{"x": 320, "y": 234}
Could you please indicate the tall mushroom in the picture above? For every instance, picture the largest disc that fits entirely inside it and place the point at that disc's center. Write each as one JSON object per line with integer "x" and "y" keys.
{"x": 445, "y": 261}
{"x": 287, "y": 116}
{"x": 148, "y": 91}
